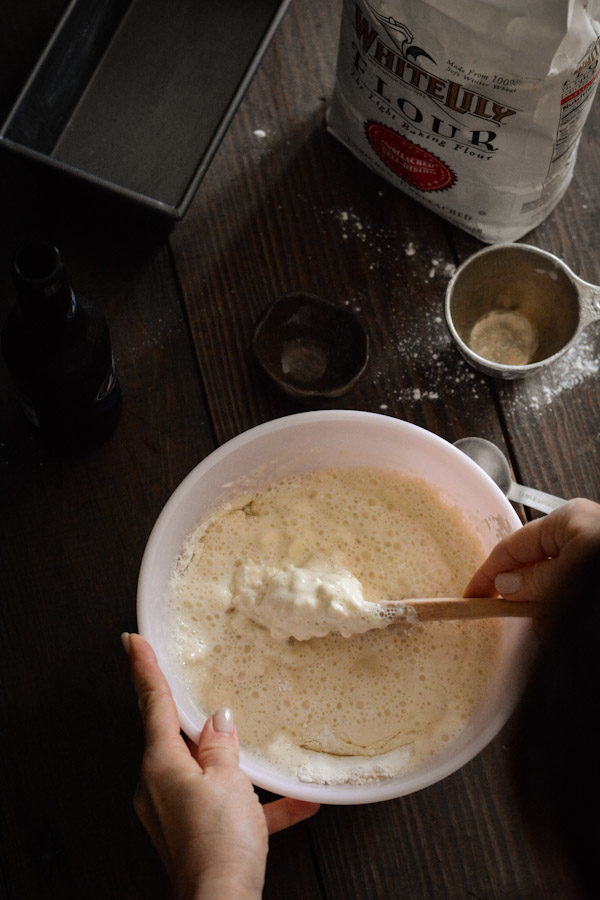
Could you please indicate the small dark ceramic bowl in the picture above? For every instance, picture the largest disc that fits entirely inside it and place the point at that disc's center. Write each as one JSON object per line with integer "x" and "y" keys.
{"x": 310, "y": 347}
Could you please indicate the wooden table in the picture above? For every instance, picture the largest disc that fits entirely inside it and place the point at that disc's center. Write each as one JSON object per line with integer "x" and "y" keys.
{"x": 290, "y": 210}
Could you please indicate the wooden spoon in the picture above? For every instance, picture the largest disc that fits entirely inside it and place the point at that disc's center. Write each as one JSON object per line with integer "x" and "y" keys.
{"x": 431, "y": 609}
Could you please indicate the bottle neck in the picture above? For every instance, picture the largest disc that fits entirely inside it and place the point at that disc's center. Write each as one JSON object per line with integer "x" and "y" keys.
{"x": 44, "y": 294}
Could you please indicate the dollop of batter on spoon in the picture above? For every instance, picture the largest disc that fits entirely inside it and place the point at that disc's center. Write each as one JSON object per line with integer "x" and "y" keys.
{"x": 305, "y": 602}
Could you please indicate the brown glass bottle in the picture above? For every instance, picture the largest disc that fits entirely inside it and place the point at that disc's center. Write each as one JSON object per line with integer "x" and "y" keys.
{"x": 57, "y": 348}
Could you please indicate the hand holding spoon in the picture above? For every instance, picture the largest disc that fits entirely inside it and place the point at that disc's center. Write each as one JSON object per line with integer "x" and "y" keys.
{"x": 305, "y": 603}
{"x": 492, "y": 460}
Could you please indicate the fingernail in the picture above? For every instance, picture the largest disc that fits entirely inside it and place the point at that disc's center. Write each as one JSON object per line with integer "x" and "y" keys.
{"x": 508, "y": 583}
{"x": 125, "y": 640}
{"x": 223, "y": 720}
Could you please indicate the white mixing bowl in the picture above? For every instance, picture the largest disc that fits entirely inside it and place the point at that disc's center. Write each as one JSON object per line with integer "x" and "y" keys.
{"x": 331, "y": 439}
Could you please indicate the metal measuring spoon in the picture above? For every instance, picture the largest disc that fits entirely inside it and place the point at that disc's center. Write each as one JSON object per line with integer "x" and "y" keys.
{"x": 492, "y": 460}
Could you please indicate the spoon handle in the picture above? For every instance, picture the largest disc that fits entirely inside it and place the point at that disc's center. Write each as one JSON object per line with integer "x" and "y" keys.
{"x": 535, "y": 499}
{"x": 431, "y": 609}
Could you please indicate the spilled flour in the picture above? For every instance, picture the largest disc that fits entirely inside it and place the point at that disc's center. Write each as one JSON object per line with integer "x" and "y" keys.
{"x": 420, "y": 334}
{"x": 384, "y": 242}
{"x": 572, "y": 370}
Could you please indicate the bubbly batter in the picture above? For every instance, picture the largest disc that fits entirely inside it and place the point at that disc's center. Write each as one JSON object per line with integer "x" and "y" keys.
{"x": 333, "y": 709}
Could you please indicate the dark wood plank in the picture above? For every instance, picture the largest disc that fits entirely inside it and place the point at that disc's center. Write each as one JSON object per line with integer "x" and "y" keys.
{"x": 552, "y": 419}
{"x": 554, "y": 422}
{"x": 285, "y": 207}
{"x": 460, "y": 838}
{"x": 72, "y": 533}
{"x": 291, "y": 867}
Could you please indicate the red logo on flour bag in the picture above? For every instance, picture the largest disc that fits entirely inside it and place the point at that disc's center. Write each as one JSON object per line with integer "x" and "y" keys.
{"x": 418, "y": 167}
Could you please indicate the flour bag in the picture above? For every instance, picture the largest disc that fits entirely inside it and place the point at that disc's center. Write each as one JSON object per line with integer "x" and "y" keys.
{"x": 473, "y": 108}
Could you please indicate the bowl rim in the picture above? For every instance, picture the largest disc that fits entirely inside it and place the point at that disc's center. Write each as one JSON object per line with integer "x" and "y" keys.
{"x": 260, "y": 773}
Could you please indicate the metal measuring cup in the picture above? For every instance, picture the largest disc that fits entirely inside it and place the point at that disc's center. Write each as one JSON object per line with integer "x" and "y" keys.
{"x": 518, "y": 284}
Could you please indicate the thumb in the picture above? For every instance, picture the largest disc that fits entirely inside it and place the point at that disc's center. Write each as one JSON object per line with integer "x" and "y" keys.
{"x": 218, "y": 744}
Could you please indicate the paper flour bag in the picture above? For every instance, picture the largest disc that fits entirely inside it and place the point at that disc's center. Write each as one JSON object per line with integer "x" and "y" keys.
{"x": 473, "y": 108}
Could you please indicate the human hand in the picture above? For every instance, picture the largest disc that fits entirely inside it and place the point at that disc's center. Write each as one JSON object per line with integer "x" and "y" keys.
{"x": 537, "y": 561}
{"x": 198, "y": 807}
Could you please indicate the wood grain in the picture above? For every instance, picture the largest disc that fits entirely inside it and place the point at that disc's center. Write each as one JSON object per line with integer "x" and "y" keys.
{"x": 438, "y": 609}
{"x": 290, "y": 210}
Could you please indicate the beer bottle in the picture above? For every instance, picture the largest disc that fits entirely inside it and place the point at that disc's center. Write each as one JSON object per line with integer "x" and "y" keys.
{"x": 57, "y": 348}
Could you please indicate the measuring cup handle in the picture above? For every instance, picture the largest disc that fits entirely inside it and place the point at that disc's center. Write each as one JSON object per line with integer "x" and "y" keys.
{"x": 535, "y": 499}
{"x": 590, "y": 301}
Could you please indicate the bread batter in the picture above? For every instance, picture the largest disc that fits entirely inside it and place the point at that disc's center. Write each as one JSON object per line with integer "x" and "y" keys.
{"x": 333, "y": 709}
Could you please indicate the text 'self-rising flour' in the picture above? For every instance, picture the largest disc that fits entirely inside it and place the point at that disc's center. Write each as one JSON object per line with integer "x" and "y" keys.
{"x": 473, "y": 108}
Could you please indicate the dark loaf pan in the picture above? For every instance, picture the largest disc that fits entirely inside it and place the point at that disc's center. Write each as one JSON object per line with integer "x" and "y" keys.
{"x": 136, "y": 95}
